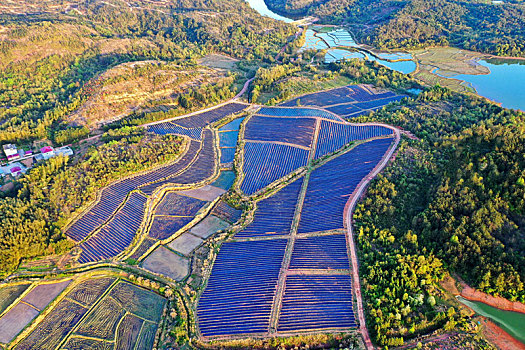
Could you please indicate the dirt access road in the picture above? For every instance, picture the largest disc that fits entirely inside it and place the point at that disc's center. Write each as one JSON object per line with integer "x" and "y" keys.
{"x": 350, "y": 206}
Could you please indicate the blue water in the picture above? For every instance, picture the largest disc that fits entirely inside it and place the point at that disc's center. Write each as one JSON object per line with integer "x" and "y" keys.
{"x": 225, "y": 180}
{"x": 334, "y": 55}
{"x": 505, "y": 84}
{"x": 260, "y": 6}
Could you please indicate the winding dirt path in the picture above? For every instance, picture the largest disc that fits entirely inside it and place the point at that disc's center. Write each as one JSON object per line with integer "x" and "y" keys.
{"x": 349, "y": 209}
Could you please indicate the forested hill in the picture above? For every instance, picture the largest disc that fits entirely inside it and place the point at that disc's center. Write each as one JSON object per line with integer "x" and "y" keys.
{"x": 50, "y": 50}
{"x": 497, "y": 29}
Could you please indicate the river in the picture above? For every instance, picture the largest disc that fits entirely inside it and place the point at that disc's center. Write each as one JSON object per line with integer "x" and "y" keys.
{"x": 505, "y": 84}
{"x": 512, "y": 322}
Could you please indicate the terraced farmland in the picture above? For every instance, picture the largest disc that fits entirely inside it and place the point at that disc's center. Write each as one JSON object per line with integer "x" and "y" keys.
{"x": 87, "y": 316}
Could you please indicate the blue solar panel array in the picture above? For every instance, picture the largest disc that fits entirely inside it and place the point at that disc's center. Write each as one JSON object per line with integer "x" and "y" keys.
{"x": 224, "y": 211}
{"x": 333, "y": 136}
{"x": 266, "y": 162}
{"x": 317, "y": 302}
{"x": 275, "y": 214}
{"x": 331, "y": 185}
{"x": 163, "y": 227}
{"x": 118, "y": 233}
{"x": 322, "y": 252}
{"x": 175, "y": 204}
{"x": 296, "y": 112}
{"x": 348, "y": 101}
{"x": 239, "y": 295}
{"x": 170, "y": 128}
{"x": 113, "y": 196}
{"x": 299, "y": 131}
{"x": 204, "y": 119}
{"x": 228, "y": 135}
{"x": 202, "y": 168}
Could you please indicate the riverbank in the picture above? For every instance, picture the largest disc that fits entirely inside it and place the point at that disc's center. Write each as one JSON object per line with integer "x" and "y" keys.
{"x": 472, "y": 294}
{"x": 497, "y": 336}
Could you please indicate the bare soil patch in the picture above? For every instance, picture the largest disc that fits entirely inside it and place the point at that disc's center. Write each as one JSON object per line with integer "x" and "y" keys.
{"x": 15, "y": 320}
{"x": 209, "y": 226}
{"x": 185, "y": 243}
{"x": 163, "y": 261}
{"x": 43, "y": 294}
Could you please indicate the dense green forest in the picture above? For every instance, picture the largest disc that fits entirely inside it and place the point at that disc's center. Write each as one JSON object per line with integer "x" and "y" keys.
{"x": 31, "y": 221}
{"x": 497, "y": 29}
{"x": 451, "y": 201}
{"x": 48, "y": 58}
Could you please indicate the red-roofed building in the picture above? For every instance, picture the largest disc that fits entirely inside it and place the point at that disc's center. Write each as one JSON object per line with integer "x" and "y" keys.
{"x": 47, "y": 152}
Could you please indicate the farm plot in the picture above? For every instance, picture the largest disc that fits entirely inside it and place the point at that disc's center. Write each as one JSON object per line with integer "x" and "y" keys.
{"x": 146, "y": 244}
{"x": 333, "y": 136}
{"x": 331, "y": 185}
{"x": 266, "y": 163}
{"x": 274, "y": 215}
{"x": 207, "y": 227}
{"x": 298, "y": 131}
{"x": 170, "y": 128}
{"x": 239, "y": 295}
{"x": 10, "y": 293}
{"x": 224, "y": 211}
{"x": 317, "y": 302}
{"x": 202, "y": 168}
{"x": 75, "y": 343}
{"x": 43, "y": 294}
{"x": 118, "y": 315}
{"x": 16, "y": 319}
{"x": 89, "y": 291}
{"x": 204, "y": 119}
{"x": 297, "y": 112}
{"x": 61, "y": 320}
{"x": 185, "y": 243}
{"x": 114, "y": 195}
{"x": 50, "y": 332}
{"x": 321, "y": 252}
{"x": 163, "y": 261}
{"x": 117, "y": 234}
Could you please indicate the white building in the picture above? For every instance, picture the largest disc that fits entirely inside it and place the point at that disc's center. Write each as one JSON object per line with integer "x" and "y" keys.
{"x": 11, "y": 152}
